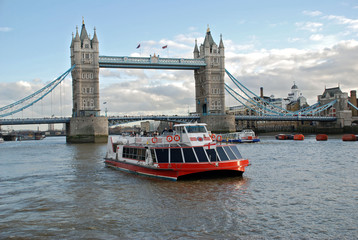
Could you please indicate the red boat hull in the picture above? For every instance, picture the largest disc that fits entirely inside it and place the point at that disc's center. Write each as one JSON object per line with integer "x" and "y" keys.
{"x": 173, "y": 171}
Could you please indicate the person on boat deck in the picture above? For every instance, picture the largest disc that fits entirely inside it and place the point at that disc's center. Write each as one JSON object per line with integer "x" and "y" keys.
{"x": 165, "y": 130}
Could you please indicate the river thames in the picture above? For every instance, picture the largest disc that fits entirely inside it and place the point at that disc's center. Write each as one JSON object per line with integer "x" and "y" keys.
{"x": 292, "y": 190}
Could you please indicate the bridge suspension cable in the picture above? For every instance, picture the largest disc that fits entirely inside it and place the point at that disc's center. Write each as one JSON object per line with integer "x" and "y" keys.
{"x": 352, "y": 105}
{"x": 33, "y": 98}
{"x": 265, "y": 106}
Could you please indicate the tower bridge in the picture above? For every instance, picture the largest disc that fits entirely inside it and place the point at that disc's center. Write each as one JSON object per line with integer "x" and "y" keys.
{"x": 208, "y": 64}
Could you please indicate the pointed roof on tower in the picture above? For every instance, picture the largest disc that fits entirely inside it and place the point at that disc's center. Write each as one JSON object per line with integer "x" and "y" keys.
{"x": 84, "y": 34}
{"x": 94, "y": 39}
{"x": 208, "y": 38}
{"x": 77, "y": 38}
{"x": 196, "y": 49}
{"x": 221, "y": 44}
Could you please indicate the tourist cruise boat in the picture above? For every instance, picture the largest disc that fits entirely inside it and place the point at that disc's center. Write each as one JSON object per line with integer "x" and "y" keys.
{"x": 245, "y": 136}
{"x": 187, "y": 151}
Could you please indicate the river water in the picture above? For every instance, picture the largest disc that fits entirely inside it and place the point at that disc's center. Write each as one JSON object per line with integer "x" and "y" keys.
{"x": 292, "y": 190}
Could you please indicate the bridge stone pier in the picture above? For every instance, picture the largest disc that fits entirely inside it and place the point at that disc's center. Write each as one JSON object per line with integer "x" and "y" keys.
{"x": 86, "y": 124}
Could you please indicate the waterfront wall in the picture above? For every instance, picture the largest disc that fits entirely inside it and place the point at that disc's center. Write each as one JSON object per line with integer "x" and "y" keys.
{"x": 219, "y": 123}
{"x": 307, "y": 129}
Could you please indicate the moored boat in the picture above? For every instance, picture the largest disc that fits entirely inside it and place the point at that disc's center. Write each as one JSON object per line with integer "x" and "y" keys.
{"x": 349, "y": 137}
{"x": 245, "y": 136}
{"x": 1, "y": 140}
{"x": 321, "y": 137}
{"x": 298, "y": 137}
{"x": 188, "y": 151}
{"x": 284, "y": 136}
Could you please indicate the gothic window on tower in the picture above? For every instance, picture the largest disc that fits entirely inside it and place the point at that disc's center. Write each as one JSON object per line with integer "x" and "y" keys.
{"x": 92, "y": 103}
{"x": 86, "y": 45}
{"x": 84, "y": 103}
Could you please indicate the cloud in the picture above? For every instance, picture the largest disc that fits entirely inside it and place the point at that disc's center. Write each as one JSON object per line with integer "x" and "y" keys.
{"x": 5, "y": 29}
{"x": 310, "y": 26}
{"x": 316, "y": 37}
{"x": 312, "y": 13}
{"x": 350, "y": 23}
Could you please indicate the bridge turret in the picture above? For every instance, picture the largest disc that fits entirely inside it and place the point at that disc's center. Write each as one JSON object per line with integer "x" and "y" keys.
{"x": 86, "y": 124}
{"x": 85, "y": 76}
{"x": 209, "y": 80}
{"x": 210, "y": 85}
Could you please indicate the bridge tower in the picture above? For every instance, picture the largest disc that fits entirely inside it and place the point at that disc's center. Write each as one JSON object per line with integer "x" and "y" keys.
{"x": 210, "y": 85}
{"x": 86, "y": 123}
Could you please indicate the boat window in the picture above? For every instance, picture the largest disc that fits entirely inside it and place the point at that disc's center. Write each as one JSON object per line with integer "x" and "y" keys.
{"x": 134, "y": 153}
{"x": 200, "y": 153}
{"x": 195, "y": 129}
{"x": 162, "y": 155}
{"x": 236, "y": 151}
{"x": 212, "y": 155}
{"x": 140, "y": 154}
{"x": 125, "y": 152}
{"x": 175, "y": 155}
{"x": 130, "y": 154}
{"x": 189, "y": 155}
{"x": 222, "y": 154}
{"x": 229, "y": 153}
{"x": 153, "y": 155}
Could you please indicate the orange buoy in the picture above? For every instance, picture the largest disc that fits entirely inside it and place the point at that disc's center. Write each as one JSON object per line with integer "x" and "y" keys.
{"x": 349, "y": 137}
{"x": 177, "y": 138}
{"x": 219, "y": 138}
{"x": 298, "y": 137}
{"x": 169, "y": 138}
{"x": 321, "y": 137}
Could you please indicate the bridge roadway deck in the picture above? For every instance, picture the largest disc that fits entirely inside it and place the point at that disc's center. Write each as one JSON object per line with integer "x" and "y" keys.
{"x": 150, "y": 63}
{"x": 182, "y": 119}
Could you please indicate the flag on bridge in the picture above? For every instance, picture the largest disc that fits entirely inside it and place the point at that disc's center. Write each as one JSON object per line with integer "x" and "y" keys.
{"x": 165, "y": 46}
{"x": 138, "y": 46}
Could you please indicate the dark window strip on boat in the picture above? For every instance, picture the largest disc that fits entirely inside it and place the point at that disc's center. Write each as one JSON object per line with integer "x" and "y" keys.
{"x": 229, "y": 153}
{"x": 213, "y": 157}
{"x": 162, "y": 155}
{"x": 236, "y": 151}
{"x": 200, "y": 153}
{"x": 176, "y": 155}
{"x": 222, "y": 154}
{"x": 189, "y": 155}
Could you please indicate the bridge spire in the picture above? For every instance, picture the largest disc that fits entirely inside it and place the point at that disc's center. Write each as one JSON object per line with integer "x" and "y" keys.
{"x": 196, "y": 50}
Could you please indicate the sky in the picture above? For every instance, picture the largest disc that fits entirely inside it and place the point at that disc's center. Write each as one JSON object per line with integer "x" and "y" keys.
{"x": 269, "y": 44}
